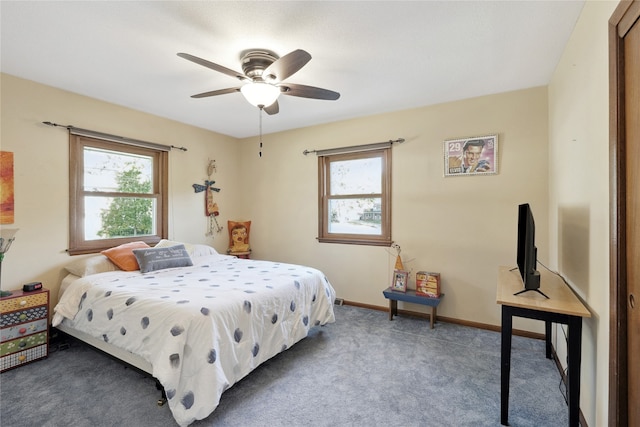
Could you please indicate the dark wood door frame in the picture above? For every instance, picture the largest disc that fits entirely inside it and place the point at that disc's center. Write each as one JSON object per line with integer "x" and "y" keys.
{"x": 622, "y": 19}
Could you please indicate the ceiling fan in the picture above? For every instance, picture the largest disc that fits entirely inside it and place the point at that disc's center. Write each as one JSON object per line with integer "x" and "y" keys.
{"x": 263, "y": 76}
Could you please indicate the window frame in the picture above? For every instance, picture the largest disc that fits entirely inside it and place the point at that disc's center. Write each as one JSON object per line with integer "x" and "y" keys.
{"x": 324, "y": 186}
{"x": 77, "y": 242}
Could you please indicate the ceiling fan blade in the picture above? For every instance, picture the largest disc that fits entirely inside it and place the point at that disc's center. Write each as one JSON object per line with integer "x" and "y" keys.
{"x": 211, "y": 65}
{"x": 216, "y": 92}
{"x": 272, "y": 109}
{"x": 286, "y": 66}
{"x": 304, "y": 91}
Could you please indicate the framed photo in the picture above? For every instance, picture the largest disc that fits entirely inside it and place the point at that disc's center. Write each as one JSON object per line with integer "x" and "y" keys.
{"x": 428, "y": 284}
{"x": 471, "y": 156}
{"x": 400, "y": 279}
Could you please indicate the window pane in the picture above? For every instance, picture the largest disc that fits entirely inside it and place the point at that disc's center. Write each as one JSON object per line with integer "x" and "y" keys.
{"x": 361, "y": 176}
{"x": 113, "y": 171}
{"x": 355, "y": 198}
{"x": 111, "y": 217}
{"x": 355, "y": 216}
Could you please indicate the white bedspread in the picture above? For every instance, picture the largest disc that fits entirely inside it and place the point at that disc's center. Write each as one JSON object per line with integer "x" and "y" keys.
{"x": 202, "y": 328}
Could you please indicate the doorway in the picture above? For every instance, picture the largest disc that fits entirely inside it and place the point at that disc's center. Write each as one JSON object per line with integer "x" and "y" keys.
{"x": 624, "y": 129}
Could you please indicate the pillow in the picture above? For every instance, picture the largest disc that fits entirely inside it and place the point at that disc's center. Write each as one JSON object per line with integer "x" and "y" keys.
{"x": 123, "y": 257}
{"x": 91, "y": 265}
{"x": 203, "y": 250}
{"x": 194, "y": 250}
{"x": 164, "y": 243}
{"x": 153, "y": 259}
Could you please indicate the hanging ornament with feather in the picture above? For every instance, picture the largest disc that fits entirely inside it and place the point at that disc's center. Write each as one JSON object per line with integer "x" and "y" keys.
{"x": 211, "y": 209}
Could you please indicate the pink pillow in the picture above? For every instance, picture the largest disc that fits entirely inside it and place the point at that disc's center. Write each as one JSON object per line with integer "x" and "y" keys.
{"x": 123, "y": 256}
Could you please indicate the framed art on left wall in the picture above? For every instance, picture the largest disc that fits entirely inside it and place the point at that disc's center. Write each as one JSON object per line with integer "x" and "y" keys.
{"x": 6, "y": 188}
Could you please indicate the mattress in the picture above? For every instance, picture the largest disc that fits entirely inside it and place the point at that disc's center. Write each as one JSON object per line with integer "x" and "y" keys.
{"x": 201, "y": 328}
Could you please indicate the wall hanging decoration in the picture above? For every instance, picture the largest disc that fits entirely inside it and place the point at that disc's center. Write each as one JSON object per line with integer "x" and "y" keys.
{"x": 239, "y": 238}
{"x": 471, "y": 156}
{"x": 6, "y": 188}
{"x": 211, "y": 209}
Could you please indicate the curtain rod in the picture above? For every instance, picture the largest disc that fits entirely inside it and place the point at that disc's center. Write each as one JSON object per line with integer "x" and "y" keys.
{"x": 355, "y": 148}
{"x": 115, "y": 138}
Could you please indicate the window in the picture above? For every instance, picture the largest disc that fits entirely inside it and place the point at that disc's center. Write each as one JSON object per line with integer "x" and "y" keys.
{"x": 117, "y": 194}
{"x": 355, "y": 198}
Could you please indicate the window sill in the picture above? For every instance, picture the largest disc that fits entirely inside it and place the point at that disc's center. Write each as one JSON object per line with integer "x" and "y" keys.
{"x": 356, "y": 241}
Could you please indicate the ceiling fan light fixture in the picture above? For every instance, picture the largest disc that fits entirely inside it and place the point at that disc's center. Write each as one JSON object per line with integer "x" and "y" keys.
{"x": 263, "y": 75}
{"x": 260, "y": 94}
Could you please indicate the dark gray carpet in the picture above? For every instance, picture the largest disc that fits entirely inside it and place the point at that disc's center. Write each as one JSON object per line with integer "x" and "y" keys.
{"x": 362, "y": 370}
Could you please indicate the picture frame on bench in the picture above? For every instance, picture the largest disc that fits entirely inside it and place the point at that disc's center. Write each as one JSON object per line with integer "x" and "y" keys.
{"x": 400, "y": 279}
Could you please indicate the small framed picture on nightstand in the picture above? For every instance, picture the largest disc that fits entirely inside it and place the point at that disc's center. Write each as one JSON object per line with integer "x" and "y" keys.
{"x": 400, "y": 278}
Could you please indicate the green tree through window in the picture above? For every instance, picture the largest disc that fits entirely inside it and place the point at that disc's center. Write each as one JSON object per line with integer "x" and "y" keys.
{"x": 117, "y": 194}
{"x": 128, "y": 216}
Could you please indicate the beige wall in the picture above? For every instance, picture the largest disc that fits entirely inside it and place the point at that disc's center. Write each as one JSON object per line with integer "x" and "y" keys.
{"x": 462, "y": 227}
{"x": 579, "y": 193}
{"x": 41, "y": 173}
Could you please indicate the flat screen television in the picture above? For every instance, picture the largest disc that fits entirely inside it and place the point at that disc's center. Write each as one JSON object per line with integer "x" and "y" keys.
{"x": 527, "y": 251}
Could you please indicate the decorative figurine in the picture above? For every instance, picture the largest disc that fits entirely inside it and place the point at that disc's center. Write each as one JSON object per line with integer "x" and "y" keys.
{"x": 239, "y": 238}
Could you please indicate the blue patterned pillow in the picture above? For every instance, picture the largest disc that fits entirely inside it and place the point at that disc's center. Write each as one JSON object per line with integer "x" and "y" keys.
{"x": 153, "y": 259}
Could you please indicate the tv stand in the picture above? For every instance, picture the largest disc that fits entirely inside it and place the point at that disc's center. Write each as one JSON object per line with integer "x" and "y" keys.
{"x": 536, "y": 290}
{"x": 563, "y": 307}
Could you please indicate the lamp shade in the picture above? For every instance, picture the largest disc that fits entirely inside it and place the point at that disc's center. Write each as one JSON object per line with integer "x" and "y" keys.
{"x": 260, "y": 94}
{"x": 7, "y": 236}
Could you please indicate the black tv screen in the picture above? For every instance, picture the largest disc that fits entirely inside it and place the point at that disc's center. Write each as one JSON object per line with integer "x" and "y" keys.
{"x": 527, "y": 251}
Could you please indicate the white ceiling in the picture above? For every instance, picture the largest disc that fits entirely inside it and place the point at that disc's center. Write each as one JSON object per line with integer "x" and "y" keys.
{"x": 380, "y": 56}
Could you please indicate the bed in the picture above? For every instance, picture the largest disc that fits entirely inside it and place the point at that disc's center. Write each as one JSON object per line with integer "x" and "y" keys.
{"x": 198, "y": 325}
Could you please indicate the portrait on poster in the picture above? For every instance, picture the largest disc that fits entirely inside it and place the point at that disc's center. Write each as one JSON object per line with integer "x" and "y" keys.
{"x": 471, "y": 156}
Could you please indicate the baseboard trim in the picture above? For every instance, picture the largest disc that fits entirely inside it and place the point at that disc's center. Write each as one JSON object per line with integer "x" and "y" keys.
{"x": 478, "y": 325}
{"x": 563, "y": 375}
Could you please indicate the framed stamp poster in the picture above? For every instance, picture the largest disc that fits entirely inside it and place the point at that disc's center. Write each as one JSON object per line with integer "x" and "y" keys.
{"x": 471, "y": 156}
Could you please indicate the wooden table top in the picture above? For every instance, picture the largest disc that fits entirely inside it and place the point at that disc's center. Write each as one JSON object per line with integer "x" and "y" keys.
{"x": 561, "y": 298}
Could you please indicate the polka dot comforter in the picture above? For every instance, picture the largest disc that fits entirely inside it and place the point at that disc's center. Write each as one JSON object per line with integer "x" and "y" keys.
{"x": 204, "y": 327}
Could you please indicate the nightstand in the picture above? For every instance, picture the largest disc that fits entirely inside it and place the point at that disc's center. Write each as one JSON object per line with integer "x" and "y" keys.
{"x": 24, "y": 328}
{"x": 241, "y": 255}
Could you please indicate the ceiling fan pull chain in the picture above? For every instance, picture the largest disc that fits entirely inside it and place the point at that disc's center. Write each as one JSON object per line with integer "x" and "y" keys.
{"x": 260, "y": 112}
